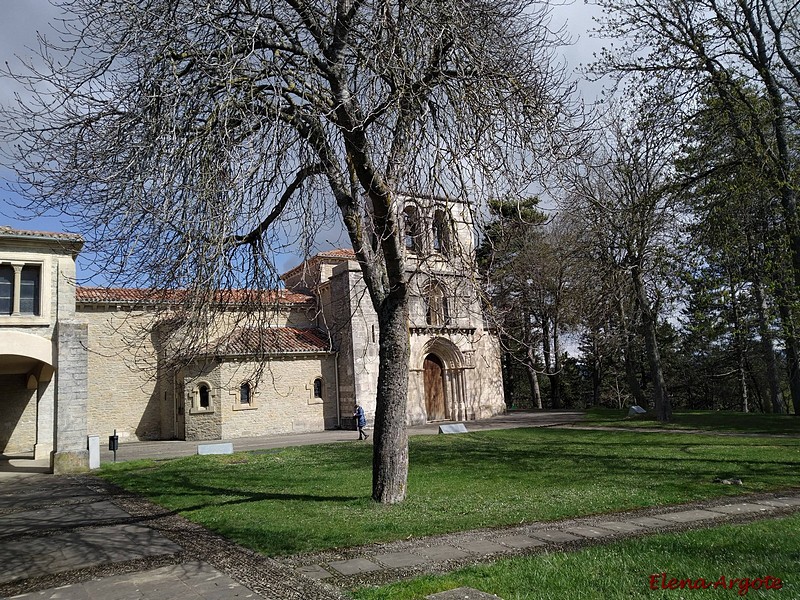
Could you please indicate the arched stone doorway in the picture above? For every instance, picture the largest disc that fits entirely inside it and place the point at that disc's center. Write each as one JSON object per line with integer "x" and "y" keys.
{"x": 443, "y": 380}
{"x": 435, "y": 401}
{"x": 26, "y": 395}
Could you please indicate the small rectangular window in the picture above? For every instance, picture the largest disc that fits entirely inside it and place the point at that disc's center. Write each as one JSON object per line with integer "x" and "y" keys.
{"x": 29, "y": 291}
{"x": 244, "y": 393}
{"x": 6, "y": 290}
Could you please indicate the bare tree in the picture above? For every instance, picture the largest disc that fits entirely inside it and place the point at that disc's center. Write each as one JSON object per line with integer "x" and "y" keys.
{"x": 190, "y": 140}
{"x": 622, "y": 200}
{"x": 729, "y": 48}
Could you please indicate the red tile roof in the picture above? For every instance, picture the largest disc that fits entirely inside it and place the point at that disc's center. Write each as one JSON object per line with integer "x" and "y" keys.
{"x": 347, "y": 253}
{"x": 269, "y": 340}
{"x": 336, "y": 253}
{"x": 5, "y": 230}
{"x": 150, "y": 296}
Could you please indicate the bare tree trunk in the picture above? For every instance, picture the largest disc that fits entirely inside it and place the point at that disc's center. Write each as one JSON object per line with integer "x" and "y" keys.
{"x": 630, "y": 365}
{"x": 775, "y": 403}
{"x": 552, "y": 375}
{"x": 662, "y": 403}
{"x": 597, "y": 371}
{"x": 792, "y": 355}
{"x": 533, "y": 378}
{"x": 738, "y": 343}
{"x": 390, "y": 454}
{"x": 555, "y": 388}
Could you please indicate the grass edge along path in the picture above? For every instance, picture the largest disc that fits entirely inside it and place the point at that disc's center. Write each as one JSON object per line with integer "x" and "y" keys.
{"x": 697, "y": 420}
{"x": 755, "y": 554}
{"x": 303, "y": 499}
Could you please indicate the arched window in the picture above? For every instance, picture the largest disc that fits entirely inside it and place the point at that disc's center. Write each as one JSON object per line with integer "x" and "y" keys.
{"x": 441, "y": 232}
{"x": 205, "y": 396}
{"x": 318, "y": 387}
{"x": 437, "y": 311}
{"x": 412, "y": 229}
{"x": 245, "y": 393}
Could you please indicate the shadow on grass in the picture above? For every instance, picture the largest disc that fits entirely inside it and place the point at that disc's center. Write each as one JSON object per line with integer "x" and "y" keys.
{"x": 302, "y": 498}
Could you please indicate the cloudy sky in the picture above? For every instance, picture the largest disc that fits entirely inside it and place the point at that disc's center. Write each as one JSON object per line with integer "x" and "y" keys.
{"x": 23, "y": 18}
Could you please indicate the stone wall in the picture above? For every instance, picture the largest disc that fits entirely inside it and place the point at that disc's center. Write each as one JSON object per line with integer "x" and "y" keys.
{"x": 203, "y": 423}
{"x": 123, "y": 389}
{"x": 18, "y": 415}
{"x": 283, "y": 398}
{"x": 485, "y": 387}
{"x": 354, "y": 328}
{"x": 130, "y": 389}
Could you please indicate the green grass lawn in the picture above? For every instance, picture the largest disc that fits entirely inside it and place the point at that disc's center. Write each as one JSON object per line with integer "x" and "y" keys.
{"x": 710, "y": 420}
{"x": 622, "y": 571}
{"x": 313, "y": 497}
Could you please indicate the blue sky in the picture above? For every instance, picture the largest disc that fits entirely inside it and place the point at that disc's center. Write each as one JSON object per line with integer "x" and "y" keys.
{"x": 23, "y": 18}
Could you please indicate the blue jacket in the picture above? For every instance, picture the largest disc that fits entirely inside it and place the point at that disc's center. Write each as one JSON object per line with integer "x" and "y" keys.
{"x": 359, "y": 415}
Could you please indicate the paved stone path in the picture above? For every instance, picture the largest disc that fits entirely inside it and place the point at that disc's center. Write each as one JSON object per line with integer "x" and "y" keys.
{"x": 377, "y": 564}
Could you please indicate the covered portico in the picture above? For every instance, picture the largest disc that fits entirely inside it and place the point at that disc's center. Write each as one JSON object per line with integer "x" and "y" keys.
{"x": 43, "y": 351}
{"x": 27, "y": 397}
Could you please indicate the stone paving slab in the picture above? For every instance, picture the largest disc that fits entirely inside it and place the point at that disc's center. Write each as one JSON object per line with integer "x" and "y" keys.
{"x": 519, "y": 541}
{"x": 650, "y": 522}
{"x": 481, "y": 547}
{"x": 314, "y": 572}
{"x": 25, "y": 557}
{"x": 781, "y": 502}
{"x": 621, "y": 526}
{"x": 463, "y": 593}
{"x": 21, "y": 493}
{"x": 57, "y": 517}
{"x": 554, "y": 535}
{"x": 441, "y": 553}
{"x": 743, "y": 508}
{"x": 354, "y": 566}
{"x": 192, "y": 580}
{"x": 690, "y": 516}
{"x": 399, "y": 560}
{"x": 590, "y": 532}
{"x": 792, "y": 500}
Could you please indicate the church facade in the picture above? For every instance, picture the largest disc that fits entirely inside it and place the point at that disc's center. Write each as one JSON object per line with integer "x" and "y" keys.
{"x": 76, "y": 361}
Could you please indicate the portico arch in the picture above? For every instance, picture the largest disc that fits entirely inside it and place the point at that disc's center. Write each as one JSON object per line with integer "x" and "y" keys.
{"x": 26, "y": 399}
{"x": 443, "y": 380}
{"x": 20, "y": 348}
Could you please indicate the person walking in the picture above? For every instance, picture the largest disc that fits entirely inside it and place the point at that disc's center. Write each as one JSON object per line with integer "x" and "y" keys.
{"x": 361, "y": 421}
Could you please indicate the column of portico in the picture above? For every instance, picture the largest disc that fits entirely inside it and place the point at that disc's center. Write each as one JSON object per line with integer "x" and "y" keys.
{"x": 17, "y": 282}
{"x": 45, "y": 420}
{"x": 71, "y": 452}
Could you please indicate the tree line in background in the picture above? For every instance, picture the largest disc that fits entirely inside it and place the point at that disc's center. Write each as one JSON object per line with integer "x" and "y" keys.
{"x": 672, "y": 258}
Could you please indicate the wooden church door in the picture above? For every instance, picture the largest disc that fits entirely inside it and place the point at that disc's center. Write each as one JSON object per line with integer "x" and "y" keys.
{"x": 434, "y": 388}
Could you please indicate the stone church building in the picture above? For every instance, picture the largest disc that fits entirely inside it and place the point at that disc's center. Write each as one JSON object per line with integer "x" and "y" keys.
{"x": 76, "y": 361}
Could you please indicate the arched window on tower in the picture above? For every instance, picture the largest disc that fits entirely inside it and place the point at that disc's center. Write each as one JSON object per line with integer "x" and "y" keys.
{"x": 442, "y": 232}
{"x": 437, "y": 311}
{"x": 412, "y": 229}
{"x": 245, "y": 393}
{"x": 205, "y": 396}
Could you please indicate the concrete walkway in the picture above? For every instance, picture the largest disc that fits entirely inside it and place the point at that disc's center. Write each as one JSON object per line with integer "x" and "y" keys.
{"x": 173, "y": 449}
{"x": 80, "y": 538}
